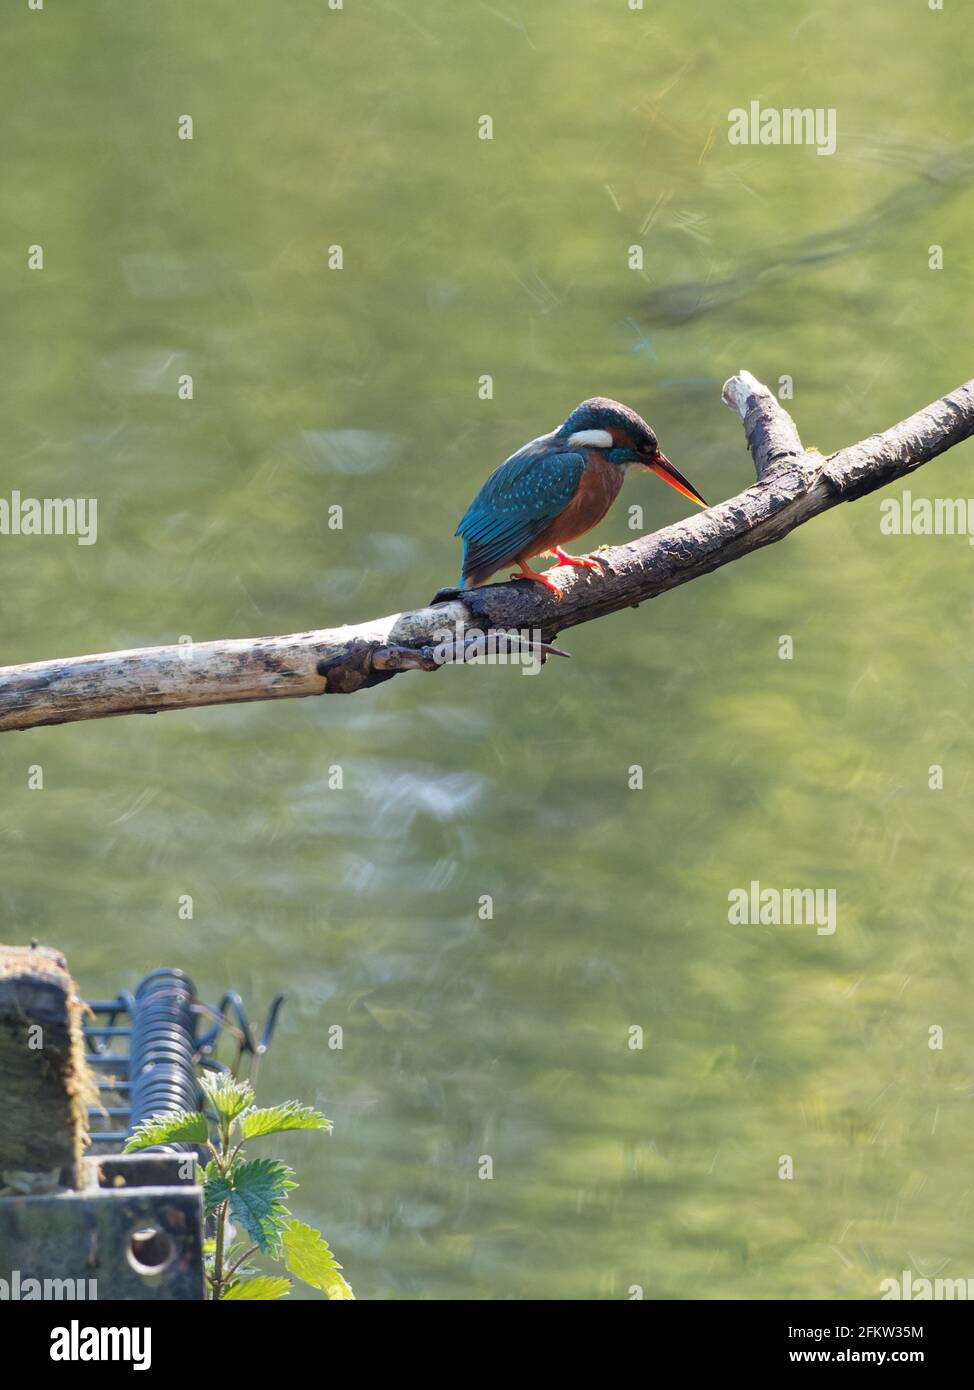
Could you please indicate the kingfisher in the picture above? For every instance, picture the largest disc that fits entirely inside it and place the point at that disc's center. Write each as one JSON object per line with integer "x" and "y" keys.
{"x": 555, "y": 489}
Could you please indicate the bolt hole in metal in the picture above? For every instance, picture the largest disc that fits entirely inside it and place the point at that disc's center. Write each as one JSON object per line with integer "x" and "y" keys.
{"x": 150, "y": 1250}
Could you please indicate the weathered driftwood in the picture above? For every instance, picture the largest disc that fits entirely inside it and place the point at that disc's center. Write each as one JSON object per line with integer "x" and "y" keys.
{"x": 792, "y": 487}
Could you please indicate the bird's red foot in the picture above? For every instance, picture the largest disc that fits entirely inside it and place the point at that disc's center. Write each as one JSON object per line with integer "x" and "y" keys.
{"x": 525, "y": 573}
{"x": 580, "y": 561}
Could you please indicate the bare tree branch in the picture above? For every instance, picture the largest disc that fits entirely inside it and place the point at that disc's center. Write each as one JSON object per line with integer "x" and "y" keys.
{"x": 792, "y": 487}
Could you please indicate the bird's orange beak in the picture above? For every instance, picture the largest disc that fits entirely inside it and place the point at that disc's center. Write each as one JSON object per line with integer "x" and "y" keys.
{"x": 665, "y": 470}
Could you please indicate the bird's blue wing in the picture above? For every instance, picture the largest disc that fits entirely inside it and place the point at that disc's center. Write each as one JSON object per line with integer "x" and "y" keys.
{"x": 516, "y": 503}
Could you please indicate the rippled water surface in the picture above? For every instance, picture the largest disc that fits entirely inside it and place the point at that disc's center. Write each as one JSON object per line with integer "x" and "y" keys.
{"x": 358, "y": 388}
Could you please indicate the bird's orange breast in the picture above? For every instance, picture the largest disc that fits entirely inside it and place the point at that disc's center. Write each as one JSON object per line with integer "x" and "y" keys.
{"x": 598, "y": 488}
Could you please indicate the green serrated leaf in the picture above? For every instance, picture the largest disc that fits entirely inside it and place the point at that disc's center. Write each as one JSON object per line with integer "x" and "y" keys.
{"x": 307, "y": 1255}
{"x": 169, "y": 1127}
{"x": 216, "y": 1188}
{"x": 256, "y": 1192}
{"x": 264, "y": 1287}
{"x": 277, "y": 1118}
{"x": 228, "y": 1096}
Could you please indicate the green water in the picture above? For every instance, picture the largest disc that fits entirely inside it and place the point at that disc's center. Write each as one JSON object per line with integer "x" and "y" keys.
{"x": 313, "y": 387}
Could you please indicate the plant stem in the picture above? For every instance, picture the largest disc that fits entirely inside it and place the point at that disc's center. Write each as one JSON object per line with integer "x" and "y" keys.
{"x": 221, "y": 1222}
{"x": 237, "y": 1263}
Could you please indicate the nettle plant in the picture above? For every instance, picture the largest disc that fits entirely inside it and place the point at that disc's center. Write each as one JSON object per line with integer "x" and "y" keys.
{"x": 246, "y": 1197}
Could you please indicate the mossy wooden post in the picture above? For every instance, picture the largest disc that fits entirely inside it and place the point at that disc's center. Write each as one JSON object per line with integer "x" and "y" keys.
{"x": 43, "y": 1075}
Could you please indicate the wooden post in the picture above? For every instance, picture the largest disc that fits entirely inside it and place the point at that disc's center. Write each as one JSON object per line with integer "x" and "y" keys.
{"x": 45, "y": 1084}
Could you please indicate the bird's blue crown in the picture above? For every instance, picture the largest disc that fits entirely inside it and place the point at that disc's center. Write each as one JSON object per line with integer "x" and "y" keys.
{"x": 601, "y": 413}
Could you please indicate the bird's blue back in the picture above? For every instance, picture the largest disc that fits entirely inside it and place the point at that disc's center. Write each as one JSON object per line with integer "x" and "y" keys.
{"x": 517, "y": 502}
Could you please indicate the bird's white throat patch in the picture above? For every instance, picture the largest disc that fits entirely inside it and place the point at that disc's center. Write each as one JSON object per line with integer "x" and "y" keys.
{"x": 596, "y": 439}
